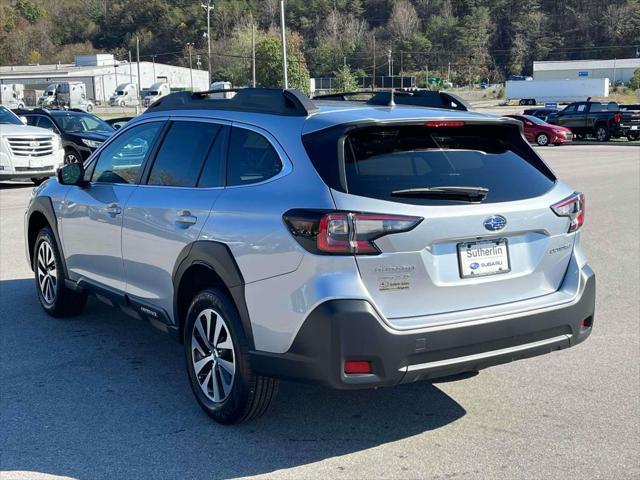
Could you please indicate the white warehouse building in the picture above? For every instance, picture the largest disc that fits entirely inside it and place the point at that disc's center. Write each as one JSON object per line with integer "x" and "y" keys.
{"x": 617, "y": 70}
{"x": 101, "y": 74}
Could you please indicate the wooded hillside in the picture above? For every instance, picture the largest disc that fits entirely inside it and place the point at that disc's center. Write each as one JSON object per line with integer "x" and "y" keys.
{"x": 478, "y": 38}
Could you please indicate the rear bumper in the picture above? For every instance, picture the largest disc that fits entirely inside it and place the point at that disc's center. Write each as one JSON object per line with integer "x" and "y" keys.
{"x": 340, "y": 330}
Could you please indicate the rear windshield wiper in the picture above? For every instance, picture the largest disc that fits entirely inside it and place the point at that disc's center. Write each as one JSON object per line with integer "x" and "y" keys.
{"x": 469, "y": 194}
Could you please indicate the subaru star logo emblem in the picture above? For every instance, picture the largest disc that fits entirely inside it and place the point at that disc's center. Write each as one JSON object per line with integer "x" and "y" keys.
{"x": 495, "y": 223}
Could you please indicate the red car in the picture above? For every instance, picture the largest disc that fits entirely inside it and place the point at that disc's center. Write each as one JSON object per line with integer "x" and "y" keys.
{"x": 543, "y": 133}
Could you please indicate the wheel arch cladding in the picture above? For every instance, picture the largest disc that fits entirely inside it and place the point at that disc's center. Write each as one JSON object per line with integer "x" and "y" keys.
{"x": 41, "y": 214}
{"x": 204, "y": 264}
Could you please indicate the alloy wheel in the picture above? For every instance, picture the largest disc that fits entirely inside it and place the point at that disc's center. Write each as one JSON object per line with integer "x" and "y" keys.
{"x": 601, "y": 134}
{"x": 47, "y": 273}
{"x": 543, "y": 140}
{"x": 212, "y": 355}
{"x": 71, "y": 158}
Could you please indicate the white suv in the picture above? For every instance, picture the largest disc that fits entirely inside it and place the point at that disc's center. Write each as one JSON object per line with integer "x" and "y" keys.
{"x": 27, "y": 152}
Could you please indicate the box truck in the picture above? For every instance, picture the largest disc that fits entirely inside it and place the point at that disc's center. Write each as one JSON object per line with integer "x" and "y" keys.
{"x": 559, "y": 91}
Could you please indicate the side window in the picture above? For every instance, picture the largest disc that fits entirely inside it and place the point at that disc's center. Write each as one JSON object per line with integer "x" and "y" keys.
{"x": 44, "y": 122}
{"x": 179, "y": 162}
{"x": 251, "y": 159}
{"x": 213, "y": 172}
{"x": 570, "y": 109}
{"x": 120, "y": 161}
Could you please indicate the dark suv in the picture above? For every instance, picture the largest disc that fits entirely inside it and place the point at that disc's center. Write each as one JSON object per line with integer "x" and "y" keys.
{"x": 81, "y": 132}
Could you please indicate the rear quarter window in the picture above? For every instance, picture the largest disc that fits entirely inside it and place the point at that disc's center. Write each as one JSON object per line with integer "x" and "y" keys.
{"x": 376, "y": 161}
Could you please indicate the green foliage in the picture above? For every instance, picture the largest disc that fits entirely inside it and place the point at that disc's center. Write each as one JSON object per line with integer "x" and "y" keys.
{"x": 269, "y": 65}
{"x": 31, "y": 11}
{"x": 345, "y": 80}
{"x": 465, "y": 40}
{"x": 634, "y": 83}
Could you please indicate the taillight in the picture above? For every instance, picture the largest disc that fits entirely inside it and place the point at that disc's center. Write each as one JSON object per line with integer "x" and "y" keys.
{"x": 617, "y": 118}
{"x": 573, "y": 208}
{"x": 344, "y": 233}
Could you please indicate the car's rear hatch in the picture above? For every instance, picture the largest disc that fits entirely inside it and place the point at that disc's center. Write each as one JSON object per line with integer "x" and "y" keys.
{"x": 467, "y": 252}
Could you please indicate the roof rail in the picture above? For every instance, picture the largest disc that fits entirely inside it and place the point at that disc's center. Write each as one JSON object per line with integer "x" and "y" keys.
{"x": 421, "y": 98}
{"x": 274, "y": 101}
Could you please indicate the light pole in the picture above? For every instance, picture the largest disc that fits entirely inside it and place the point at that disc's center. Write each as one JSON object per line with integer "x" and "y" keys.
{"x": 190, "y": 46}
{"x": 284, "y": 46}
{"x": 153, "y": 59}
{"x": 208, "y": 7}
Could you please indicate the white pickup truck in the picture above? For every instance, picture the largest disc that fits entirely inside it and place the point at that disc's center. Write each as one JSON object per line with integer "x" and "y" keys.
{"x": 27, "y": 152}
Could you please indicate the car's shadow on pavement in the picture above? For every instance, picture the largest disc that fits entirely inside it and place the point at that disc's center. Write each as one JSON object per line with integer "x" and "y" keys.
{"x": 106, "y": 396}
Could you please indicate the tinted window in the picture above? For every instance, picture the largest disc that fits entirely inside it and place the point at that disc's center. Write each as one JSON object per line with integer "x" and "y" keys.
{"x": 570, "y": 108}
{"x": 120, "y": 161}
{"x": 45, "y": 122}
{"x": 380, "y": 160}
{"x": 182, "y": 154}
{"x": 213, "y": 172}
{"x": 8, "y": 117}
{"x": 82, "y": 122}
{"x": 251, "y": 159}
{"x": 32, "y": 120}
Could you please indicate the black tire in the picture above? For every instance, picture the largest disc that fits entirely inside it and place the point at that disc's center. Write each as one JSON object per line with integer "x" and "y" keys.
{"x": 248, "y": 395}
{"x": 71, "y": 156}
{"x": 54, "y": 297}
{"x": 532, "y": 101}
{"x": 542, "y": 139}
{"x": 602, "y": 133}
{"x": 633, "y": 136}
{"x": 89, "y": 108}
{"x": 38, "y": 181}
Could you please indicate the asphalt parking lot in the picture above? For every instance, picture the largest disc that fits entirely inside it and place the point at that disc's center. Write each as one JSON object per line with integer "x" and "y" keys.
{"x": 106, "y": 396}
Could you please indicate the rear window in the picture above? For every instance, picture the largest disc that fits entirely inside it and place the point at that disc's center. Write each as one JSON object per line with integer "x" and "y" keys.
{"x": 376, "y": 161}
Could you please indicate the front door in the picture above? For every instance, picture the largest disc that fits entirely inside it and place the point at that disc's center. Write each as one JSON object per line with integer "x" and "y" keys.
{"x": 167, "y": 212}
{"x": 92, "y": 215}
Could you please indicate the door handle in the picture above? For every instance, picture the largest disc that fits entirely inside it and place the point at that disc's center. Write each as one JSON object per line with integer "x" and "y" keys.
{"x": 114, "y": 209}
{"x": 185, "y": 218}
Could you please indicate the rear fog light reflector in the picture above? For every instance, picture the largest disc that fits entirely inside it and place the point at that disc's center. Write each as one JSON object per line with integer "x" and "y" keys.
{"x": 352, "y": 367}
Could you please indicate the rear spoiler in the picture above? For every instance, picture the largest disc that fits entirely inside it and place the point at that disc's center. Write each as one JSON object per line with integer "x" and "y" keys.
{"x": 419, "y": 98}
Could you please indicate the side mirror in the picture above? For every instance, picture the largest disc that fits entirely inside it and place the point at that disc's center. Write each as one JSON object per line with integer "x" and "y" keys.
{"x": 23, "y": 119}
{"x": 71, "y": 174}
{"x": 529, "y": 123}
{"x": 117, "y": 126}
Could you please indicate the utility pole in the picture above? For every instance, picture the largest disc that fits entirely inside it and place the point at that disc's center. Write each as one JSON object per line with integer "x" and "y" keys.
{"x": 426, "y": 67}
{"x": 373, "y": 77}
{"x": 153, "y": 59}
{"x": 190, "y": 46}
{"x": 130, "y": 69}
{"x": 614, "y": 72}
{"x": 449, "y": 72}
{"x": 253, "y": 54}
{"x": 208, "y": 7}
{"x": 284, "y": 46}
{"x": 139, "y": 79}
{"x": 389, "y": 61}
{"x": 115, "y": 70}
{"x": 401, "y": 69}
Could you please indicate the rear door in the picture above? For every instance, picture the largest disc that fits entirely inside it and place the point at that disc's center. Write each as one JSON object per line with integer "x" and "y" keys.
{"x": 464, "y": 254}
{"x": 167, "y": 212}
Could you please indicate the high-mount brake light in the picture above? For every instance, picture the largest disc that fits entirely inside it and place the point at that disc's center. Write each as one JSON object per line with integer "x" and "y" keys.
{"x": 572, "y": 207}
{"x": 443, "y": 123}
{"x": 344, "y": 233}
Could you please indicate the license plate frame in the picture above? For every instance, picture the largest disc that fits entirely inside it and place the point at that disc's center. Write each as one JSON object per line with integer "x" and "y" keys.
{"x": 463, "y": 246}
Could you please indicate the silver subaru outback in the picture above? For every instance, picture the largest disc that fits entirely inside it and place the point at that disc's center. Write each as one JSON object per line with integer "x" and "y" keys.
{"x": 343, "y": 243}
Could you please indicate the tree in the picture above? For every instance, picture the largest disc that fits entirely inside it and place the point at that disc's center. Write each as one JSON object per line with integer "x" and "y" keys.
{"x": 269, "y": 63}
{"x": 634, "y": 83}
{"x": 345, "y": 79}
